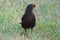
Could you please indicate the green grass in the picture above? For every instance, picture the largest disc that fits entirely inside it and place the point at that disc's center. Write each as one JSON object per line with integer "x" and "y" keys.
{"x": 47, "y": 20}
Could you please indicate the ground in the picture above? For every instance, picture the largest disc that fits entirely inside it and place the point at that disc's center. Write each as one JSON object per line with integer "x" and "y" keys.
{"x": 47, "y": 20}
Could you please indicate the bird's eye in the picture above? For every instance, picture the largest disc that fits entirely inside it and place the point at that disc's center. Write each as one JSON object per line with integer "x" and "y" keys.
{"x": 33, "y": 6}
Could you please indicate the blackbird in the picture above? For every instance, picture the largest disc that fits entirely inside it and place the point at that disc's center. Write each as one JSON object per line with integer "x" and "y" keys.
{"x": 28, "y": 19}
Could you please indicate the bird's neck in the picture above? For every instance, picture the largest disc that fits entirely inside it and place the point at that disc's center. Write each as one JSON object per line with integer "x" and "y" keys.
{"x": 29, "y": 11}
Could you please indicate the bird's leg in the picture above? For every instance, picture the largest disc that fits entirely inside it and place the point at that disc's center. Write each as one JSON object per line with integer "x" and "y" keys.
{"x": 25, "y": 30}
{"x": 31, "y": 30}
{"x": 31, "y": 34}
{"x": 25, "y": 35}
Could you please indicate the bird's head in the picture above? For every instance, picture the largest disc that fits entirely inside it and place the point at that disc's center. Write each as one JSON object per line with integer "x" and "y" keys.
{"x": 31, "y": 6}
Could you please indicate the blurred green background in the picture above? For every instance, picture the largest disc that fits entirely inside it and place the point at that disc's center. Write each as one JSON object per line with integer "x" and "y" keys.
{"x": 47, "y": 19}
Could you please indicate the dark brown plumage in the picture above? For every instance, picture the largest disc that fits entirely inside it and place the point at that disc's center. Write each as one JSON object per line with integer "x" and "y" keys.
{"x": 28, "y": 19}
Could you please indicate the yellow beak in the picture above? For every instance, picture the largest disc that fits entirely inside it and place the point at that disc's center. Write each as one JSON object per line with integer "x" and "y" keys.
{"x": 37, "y": 5}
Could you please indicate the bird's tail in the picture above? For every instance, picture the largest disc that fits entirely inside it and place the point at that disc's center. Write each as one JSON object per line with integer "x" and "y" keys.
{"x": 20, "y": 23}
